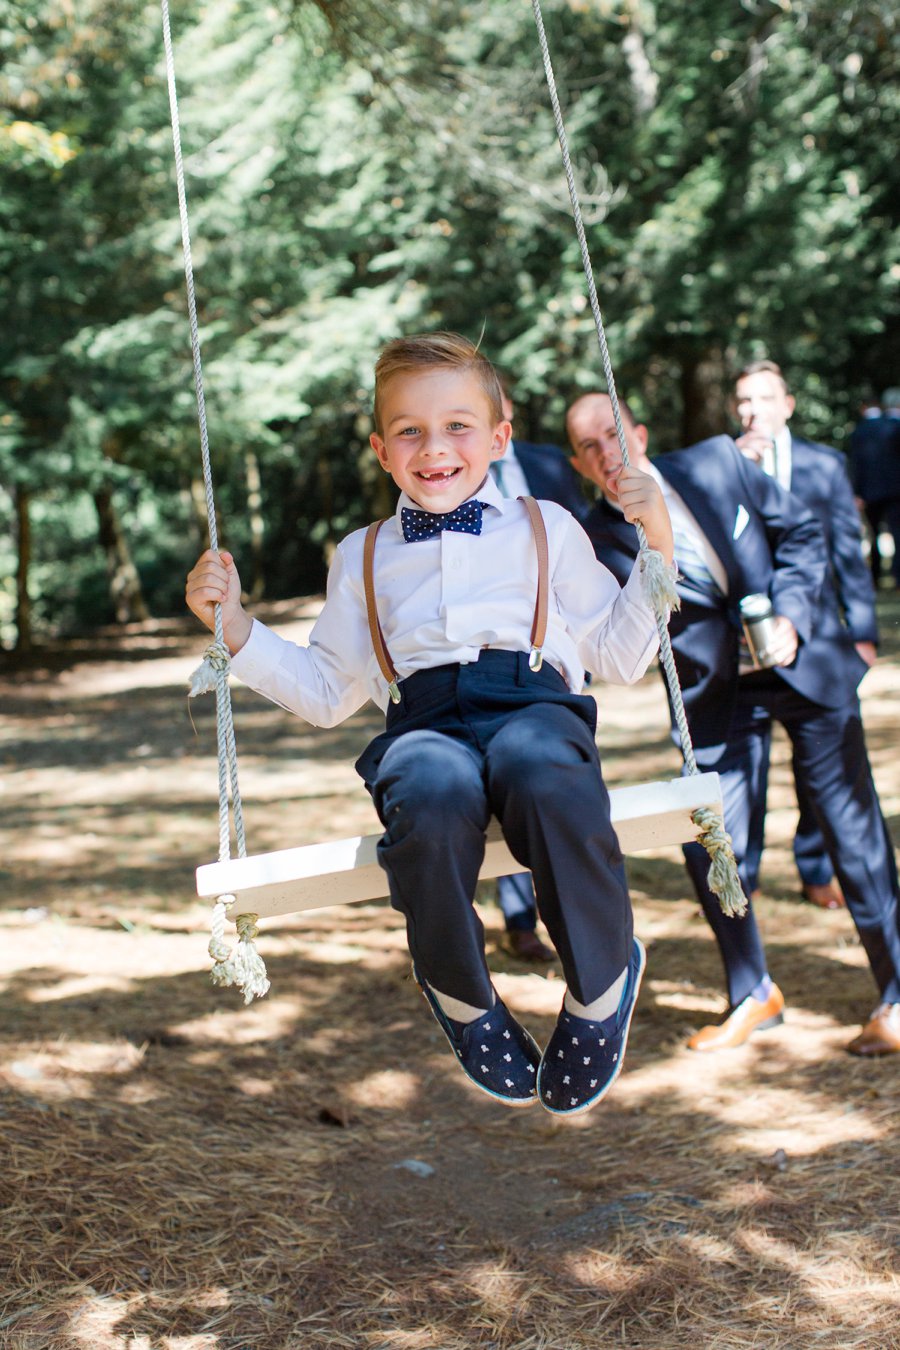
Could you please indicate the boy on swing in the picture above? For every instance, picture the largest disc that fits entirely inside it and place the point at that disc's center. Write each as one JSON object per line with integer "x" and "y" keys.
{"x": 481, "y": 724}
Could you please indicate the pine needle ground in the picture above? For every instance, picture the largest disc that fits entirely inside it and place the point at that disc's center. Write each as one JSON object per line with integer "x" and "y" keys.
{"x": 182, "y": 1173}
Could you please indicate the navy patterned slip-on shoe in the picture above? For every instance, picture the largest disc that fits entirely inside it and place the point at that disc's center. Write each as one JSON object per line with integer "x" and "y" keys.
{"x": 584, "y": 1058}
{"x": 495, "y": 1052}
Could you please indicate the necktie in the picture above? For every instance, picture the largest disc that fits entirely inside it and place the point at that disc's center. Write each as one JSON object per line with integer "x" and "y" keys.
{"x": 692, "y": 564}
{"x": 416, "y": 525}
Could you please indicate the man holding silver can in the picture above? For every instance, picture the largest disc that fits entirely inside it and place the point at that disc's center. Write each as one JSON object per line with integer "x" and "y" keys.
{"x": 818, "y": 476}
{"x": 738, "y": 533}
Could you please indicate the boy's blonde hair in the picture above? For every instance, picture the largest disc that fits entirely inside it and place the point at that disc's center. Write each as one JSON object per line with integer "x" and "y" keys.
{"x": 431, "y": 351}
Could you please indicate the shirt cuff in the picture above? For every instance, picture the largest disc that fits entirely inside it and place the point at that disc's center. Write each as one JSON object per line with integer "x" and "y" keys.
{"x": 260, "y": 655}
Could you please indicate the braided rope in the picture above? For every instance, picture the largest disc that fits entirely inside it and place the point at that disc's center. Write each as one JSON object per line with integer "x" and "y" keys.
{"x": 244, "y": 966}
{"x": 659, "y": 585}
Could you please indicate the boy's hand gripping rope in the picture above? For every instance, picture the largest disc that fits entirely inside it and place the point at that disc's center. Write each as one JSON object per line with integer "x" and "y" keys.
{"x": 658, "y": 579}
{"x": 242, "y": 965}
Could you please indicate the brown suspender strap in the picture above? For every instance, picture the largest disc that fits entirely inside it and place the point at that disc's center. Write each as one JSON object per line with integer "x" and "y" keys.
{"x": 539, "y": 626}
{"x": 382, "y": 655}
{"x": 539, "y": 623}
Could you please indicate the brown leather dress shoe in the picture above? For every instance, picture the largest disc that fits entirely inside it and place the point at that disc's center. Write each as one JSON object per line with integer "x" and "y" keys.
{"x": 525, "y": 943}
{"x": 881, "y": 1034}
{"x": 749, "y": 1016}
{"x": 824, "y": 897}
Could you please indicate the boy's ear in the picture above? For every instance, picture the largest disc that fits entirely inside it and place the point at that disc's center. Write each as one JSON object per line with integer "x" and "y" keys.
{"x": 380, "y": 449}
{"x": 502, "y": 438}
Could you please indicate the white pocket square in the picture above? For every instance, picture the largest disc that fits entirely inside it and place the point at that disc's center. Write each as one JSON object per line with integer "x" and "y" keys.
{"x": 740, "y": 522}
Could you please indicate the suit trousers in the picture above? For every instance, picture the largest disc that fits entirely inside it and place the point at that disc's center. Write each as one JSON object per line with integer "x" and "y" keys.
{"x": 515, "y": 896}
{"x": 491, "y": 737}
{"x": 884, "y": 514}
{"x": 831, "y": 765}
{"x": 810, "y": 853}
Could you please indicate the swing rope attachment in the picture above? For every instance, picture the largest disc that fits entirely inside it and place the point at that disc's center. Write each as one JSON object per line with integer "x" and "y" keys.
{"x": 242, "y": 966}
{"x": 658, "y": 579}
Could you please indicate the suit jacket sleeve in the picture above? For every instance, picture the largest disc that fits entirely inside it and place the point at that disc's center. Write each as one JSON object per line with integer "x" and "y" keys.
{"x": 849, "y": 570}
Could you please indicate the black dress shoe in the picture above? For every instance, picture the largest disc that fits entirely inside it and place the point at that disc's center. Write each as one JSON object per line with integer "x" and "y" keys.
{"x": 525, "y": 943}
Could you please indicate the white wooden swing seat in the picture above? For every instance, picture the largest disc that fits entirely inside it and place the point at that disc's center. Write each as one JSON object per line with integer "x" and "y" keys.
{"x": 649, "y": 815}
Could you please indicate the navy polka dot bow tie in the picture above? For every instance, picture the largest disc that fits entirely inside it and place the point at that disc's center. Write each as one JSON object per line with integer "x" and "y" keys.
{"x": 466, "y": 519}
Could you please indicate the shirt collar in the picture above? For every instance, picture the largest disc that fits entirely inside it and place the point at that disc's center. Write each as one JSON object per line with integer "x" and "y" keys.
{"x": 489, "y": 493}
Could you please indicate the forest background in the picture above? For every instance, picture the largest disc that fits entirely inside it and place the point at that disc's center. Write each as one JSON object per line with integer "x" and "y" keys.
{"x": 357, "y": 169}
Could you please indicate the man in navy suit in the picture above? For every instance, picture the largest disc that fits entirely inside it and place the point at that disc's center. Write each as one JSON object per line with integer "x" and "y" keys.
{"x": 541, "y": 471}
{"x": 737, "y": 533}
{"x": 817, "y": 475}
{"x": 875, "y": 470}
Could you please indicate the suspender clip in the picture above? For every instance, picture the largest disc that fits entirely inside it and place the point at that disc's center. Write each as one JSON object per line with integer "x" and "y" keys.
{"x": 394, "y": 691}
{"x": 536, "y": 658}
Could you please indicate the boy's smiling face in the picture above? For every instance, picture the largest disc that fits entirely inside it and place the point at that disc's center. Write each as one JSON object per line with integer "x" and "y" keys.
{"x": 438, "y": 436}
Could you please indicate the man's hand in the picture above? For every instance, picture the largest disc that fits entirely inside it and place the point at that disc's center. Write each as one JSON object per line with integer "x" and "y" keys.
{"x": 214, "y": 580}
{"x": 782, "y": 650}
{"x": 753, "y": 445}
{"x": 868, "y": 651}
{"x": 640, "y": 498}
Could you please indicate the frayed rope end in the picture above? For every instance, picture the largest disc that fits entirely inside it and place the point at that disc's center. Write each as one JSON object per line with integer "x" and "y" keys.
{"x": 216, "y": 659}
{"x": 241, "y": 966}
{"x": 723, "y": 879}
{"x": 659, "y": 582}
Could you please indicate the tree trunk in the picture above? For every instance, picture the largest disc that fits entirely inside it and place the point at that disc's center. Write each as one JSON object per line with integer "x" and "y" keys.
{"x": 201, "y": 512}
{"x": 124, "y": 582}
{"x": 326, "y": 492}
{"x": 703, "y": 395}
{"x": 257, "y": 526}
{"x": 23, "y": 599}
{"x": 644, "y": 80}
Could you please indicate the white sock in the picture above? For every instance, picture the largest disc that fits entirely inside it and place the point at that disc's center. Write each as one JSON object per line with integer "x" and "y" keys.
{"x": 456, "y": 1009}
{"x": 602, "y": 1007}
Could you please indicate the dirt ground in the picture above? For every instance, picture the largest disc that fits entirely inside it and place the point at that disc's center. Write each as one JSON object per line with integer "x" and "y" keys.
{"x": 311, "y": 1172}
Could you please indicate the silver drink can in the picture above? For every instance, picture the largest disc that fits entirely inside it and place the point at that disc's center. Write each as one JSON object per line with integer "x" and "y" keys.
{"x": 758, "y": 619}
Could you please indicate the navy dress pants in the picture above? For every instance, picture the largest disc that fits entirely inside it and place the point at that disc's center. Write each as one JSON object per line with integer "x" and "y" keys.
{"x": 810, "y": 853}
{"x": 831, "y": 766}
{"x": 515, "y": 896}
{"x": 491, "y": 737}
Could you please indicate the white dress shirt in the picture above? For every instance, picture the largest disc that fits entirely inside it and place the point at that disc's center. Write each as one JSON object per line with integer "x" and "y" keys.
{"x": 688, "y": 533}
{"x": 444, "y": 599}
{"x": 776, "y": 460}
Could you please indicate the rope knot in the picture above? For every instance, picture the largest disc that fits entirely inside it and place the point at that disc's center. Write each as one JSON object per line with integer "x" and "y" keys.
{"x": 723, "y": 878}
{"x": 216, "y": 661}
{"x": 241, "y": 966}
{"x": 658, "y": 581}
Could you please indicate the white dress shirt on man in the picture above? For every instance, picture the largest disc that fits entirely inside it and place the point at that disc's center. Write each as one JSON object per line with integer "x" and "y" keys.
{"x": 776, "y": 460}
{"x": 690, "y": 541}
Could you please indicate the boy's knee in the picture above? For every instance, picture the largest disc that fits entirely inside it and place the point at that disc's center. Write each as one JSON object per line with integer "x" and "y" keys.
{"x": 426, "y": 772}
